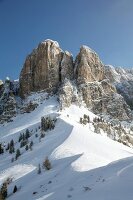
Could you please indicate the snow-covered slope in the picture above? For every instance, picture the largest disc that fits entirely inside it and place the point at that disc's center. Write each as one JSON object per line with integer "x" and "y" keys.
{"x": 85, "y": 165}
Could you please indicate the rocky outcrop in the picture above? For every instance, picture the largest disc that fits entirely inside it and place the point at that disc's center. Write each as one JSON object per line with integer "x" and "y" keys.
{"x": 68, "y": 94}
{"x": 98, "y": 92}
{"x": 41, "y": 70}
{"x": 9, "y": 109}
{"x": 123, "y": 81}
{"x": 8, "y": 105}
{"x": 88, "y": 67}
{"x": 67, "y": 67}
{"x": 45, "y": 68}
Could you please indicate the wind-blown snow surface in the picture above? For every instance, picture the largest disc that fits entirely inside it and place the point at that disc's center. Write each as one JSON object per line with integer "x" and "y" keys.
{"x": 85, "y": 165}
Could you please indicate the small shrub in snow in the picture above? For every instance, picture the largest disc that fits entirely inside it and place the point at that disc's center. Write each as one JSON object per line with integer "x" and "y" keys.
{"x": 39, "y": 169}
{"x": 47, "y": 164}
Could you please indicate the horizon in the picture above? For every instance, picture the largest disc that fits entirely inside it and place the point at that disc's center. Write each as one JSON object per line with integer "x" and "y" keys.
{"x": 103, "y": 26}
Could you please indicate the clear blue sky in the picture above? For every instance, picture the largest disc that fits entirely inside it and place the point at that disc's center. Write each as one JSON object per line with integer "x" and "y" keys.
{"x": 104, "y": 25}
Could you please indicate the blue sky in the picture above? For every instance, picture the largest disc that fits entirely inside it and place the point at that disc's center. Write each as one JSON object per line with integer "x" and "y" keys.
{"x": 104, "y": 25}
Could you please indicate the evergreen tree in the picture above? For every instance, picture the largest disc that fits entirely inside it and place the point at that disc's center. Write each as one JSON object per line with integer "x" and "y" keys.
{"x": 15, "y": 189}
{"x": 85, "y": 116}
{"x": 1, "y": 197}
{"x": 1, "y": 149}
{"x": 23, "y": 143}
{"x": 12, "y": 143}
{"x": 4, "y": 190}
{"x": 23, "y": 136}
{"x": 11, "y": 147}
{"x": 17, "y": 154}
{"x": 8, "y": 146}
{"x": 88, "y": 119}
{"x": 20, "y": 137}
{"x": 31, "y": 144}
{"x": 81, "y": 120}
{"x": 27, "y": 147}
{"x": 39, "y": 169}
{"x": 12, "y": 160}
{"x": 27, "y": 134}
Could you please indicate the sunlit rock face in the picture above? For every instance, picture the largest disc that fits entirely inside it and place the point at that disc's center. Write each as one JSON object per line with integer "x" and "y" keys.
{"x": 41, "y": 70}
{"x": 97, "y": 90}
{"x": 86, "y": 79}
{"x": 88, "y": 66}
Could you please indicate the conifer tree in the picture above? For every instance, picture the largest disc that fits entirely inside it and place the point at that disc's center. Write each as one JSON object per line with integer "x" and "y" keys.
{"x": 15, "y": 189}
{"x": 4, "y": 190}
{"x": 1, "y": 149}
{"x": 27, "y": 134}
{"x": 27, "y": 147}
{"x": 17, "y": 154}
{"x": 20, "y": 137}
{"x": 39, "y": 169}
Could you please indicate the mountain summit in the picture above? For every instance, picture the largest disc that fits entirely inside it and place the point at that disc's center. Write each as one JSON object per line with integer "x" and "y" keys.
{"x": 48, "y": 67}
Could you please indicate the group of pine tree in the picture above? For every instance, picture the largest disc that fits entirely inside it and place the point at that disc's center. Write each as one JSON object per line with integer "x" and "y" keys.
{"x": 114, "y": 131}
{"x": 23, "y": 140}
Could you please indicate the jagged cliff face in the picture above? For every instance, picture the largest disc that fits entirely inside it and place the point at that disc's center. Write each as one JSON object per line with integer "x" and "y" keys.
{"x": 45, "y": 68}
{"x": 41, "y": 70}
{"x": 8, "y": 105}
{"x": 123, "y": 81}
{"x": 96, "y": 88}
{"x": 86, "y": 80}
{"x": 88, "y": 67}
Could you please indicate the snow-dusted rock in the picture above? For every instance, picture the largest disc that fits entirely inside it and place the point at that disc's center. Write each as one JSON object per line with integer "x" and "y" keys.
{"x": 97, "y": 90}
{"x": 123, "y": 81}
{"x": 67, "y": 69}
{"x": 68, "y": 94}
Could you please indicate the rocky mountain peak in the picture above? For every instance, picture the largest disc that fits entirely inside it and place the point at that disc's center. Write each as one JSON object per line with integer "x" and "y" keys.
{"x": 88, "y": 66}
{"x": 41, "y": 70}
{"x": 86, "y": 80}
